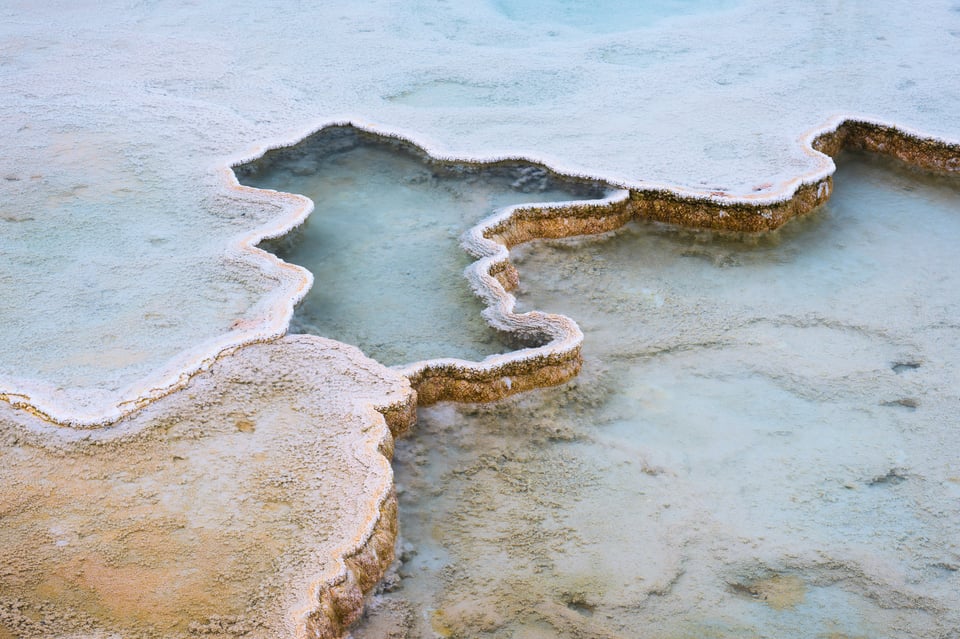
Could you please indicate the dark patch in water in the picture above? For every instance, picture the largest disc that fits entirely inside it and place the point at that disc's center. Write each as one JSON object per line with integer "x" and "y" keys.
{"x": 578, "y": 602}
{"x": 902, "y": 367}
{"x": 946, "y": 566}
{"x": 893, "y": 477}
{"x": 908, "y": 403}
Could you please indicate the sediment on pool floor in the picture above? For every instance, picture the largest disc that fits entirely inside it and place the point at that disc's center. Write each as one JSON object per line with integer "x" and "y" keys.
{"x": 495, "y": 278}
{"x": 725, "y": 443}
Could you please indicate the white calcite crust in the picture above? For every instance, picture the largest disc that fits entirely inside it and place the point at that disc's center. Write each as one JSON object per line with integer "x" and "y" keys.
{"x": 256, "y": 502}
{"x": 128, "y": 244}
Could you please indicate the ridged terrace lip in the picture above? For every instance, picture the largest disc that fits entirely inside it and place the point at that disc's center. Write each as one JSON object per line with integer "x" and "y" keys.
{"x": 498, "y": 375}
{"x": 558, "y": 359}
{"x": 761, "y": 441}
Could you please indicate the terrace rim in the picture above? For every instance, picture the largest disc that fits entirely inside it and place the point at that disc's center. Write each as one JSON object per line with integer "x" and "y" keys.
{"x": 555, "y": 356}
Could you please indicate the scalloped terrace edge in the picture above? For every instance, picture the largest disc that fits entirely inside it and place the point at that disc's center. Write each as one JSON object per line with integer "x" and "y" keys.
{"x": 107, "y": 408}
{"x": 333, "y": 600}
{"x": 492, "y": 277}
{"x": 364, "y": 562}
{"x": 337, "y": 603}
{"x": 558, "y": 360}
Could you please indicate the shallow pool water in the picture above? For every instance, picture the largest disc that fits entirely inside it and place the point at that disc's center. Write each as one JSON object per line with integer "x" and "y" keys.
{"x": 603, "y": 16}
{"x": 761, "y": 444}
{"x": 383, "y": 241}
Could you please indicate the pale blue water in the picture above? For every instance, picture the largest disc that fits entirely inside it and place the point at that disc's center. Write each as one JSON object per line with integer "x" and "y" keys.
{"x": 383, "y": 243}
{"x": 762, "y": 442}
{"x": 603, "y": 16}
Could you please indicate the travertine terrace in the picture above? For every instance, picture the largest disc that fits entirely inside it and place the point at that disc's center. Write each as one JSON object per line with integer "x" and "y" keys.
{"x": 557, "y": 357}
{"x": 256, "y": 502}
{"x": 173, "y": 464}
{"x": 126, "y": 119}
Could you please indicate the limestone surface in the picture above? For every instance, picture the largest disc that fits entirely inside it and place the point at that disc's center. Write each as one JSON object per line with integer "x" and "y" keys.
{"x": 256, "y": 502}
{"x": 124, "y": 234}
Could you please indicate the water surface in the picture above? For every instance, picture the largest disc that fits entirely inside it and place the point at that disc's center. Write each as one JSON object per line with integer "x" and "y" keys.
{"x": 762, "y": 442}
{"x": 603, "y": 16}
{"x": 383, "y": 241}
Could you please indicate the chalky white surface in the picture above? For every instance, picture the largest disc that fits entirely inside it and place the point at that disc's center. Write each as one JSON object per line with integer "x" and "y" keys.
{"x": 125, "y": 248}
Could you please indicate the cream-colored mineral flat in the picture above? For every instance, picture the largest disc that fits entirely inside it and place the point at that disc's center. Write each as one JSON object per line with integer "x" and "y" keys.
{"x": 120, "y": 121}
{"x": 258, "y": 501}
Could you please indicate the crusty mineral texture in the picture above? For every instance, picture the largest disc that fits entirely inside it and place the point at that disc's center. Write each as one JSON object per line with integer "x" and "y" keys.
{"x": 256, "y": 502}
{"x": 557, "y": 357}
